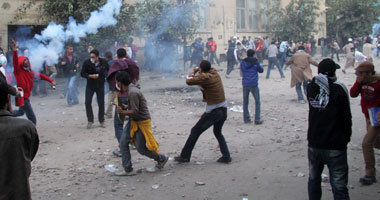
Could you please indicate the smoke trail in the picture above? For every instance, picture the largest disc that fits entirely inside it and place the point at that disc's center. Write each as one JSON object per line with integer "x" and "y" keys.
{"x": 47, "y": 46}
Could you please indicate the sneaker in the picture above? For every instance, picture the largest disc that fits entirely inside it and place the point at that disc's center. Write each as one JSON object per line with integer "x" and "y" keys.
{"x": 116, "y": 153}
{"x": 181, "y": 160}
{"x": 89, "y": 125}
{"x": 224, "y": 160}
{"x": 247, "y": 122}
{"x": 368, "y": 180}
{"x": 161, "y": 164}
{"x": 124, "y": 173}
{"x": 259, "y": 122}
{"x": 102, "y": 124}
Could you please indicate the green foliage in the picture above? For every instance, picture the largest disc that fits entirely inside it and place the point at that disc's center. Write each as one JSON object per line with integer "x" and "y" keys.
{"x": 351, "y": 18}
{"x": 296, "y": 21}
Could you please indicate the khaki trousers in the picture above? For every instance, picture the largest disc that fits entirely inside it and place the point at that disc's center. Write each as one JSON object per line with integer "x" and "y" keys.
{"x": 370, "y": 141}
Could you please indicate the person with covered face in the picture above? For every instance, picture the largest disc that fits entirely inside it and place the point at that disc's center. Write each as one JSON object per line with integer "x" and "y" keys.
{"x": 24, "y": 78}
{"x": 94, "y": 70}
{"x": 367, "y": 85}
{"x": 138, "y": 131}
{"x": 329, "y": 131}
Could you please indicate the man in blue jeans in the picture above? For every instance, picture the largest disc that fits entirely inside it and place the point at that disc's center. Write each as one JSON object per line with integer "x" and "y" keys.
{"x": 216, "y": 111}
{"x": 329, "y": 131}
{"x": 250, "y": 67}
{"x": 272, "y": 53}
{"x": 70, "y": 66}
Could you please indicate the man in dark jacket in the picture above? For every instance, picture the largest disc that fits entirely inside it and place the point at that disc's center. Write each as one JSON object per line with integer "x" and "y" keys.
{"x": 94, "y": 70}
{"x": 69, "y": 64}
{"x": 250, "y": 67}
{"x": 329, "y": 131}
{"x": 216, "y": 111}
{"x": 19, "y": 144}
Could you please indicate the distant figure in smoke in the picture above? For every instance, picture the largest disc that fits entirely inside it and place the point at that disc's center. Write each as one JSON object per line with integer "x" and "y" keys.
{"x": 301, "y": 72}
{"x": 24, "y": 78}
{"x": 216, "y": 111}
{"x": 232, "y": 57}
{"x": 112, "y": 94}
{"x": 212, "y": 47}
{"x": 197, "y": 55}
{"x": 121, "y": 64}
{"x": 368, "y": 48}
{"x": 138, "y": 131}
{"x": 350, "y": 58}
{"x": 94, "y": 70}
{"x": 128, "y": 49}
{"x": 69, "y": 63}
{"x": 334, "y": 47}
{"x": 134, "y": 49}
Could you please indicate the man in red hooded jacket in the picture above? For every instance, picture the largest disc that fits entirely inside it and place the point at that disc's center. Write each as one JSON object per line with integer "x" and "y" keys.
{"x": 24, "y": 78}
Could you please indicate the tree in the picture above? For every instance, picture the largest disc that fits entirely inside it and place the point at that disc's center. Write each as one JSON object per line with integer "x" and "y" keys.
{"x": 296, "y": 21}
{"x": 351, "y": 18}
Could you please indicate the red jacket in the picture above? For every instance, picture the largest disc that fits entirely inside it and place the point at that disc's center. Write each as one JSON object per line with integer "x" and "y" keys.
{"x": 370, "y": 95}
{"x": 24, "y": 78}
{"x": 212, "y": 45}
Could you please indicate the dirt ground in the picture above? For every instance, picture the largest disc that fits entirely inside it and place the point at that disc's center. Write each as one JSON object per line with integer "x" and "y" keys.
{"x": 269, "y": 160}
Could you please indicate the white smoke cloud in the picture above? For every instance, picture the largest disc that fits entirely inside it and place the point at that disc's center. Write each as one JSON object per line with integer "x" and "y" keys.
{"x": 48, "y": 45}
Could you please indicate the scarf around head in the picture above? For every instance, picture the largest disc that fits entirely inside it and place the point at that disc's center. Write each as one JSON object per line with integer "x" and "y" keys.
{"x": 322, "y": 99}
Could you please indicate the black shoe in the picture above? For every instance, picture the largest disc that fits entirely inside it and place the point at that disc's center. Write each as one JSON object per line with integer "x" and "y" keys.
{"x": 224, "y": 160}
{"x": 161, "y": 164}
{"x": 247, "y": 122}
{"x": 117, "y": 153}
{"x": 181, "y": 160}
{"x": 368, "y": 180}
{"x": 259, "y": 122}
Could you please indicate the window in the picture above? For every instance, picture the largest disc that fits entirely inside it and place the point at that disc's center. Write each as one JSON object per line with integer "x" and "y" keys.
{"x": 240, "y": 14}
{"x": 256, "y": 13}
{"x": 252, "y": 15}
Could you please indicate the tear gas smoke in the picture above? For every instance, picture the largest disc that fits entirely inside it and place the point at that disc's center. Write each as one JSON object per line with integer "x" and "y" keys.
{"x": 47, "y": 46}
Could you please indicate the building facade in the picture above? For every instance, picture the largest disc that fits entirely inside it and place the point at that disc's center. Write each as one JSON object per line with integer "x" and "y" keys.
{"x": 221, "y": 19}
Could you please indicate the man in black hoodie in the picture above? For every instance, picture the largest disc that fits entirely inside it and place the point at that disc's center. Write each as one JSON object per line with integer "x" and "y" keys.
{"x": 94, "y": 70}
{"x": 329, "y": 131}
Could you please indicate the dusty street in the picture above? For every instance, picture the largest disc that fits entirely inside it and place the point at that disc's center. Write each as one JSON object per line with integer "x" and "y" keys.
{"x": 269, "y": 160}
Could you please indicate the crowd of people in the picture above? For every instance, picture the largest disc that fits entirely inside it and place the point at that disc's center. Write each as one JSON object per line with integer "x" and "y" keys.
{"x": 329, "y": 109}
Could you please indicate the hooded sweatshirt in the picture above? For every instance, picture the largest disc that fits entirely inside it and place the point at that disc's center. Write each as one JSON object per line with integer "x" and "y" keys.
{"x": 250, "y": 67}
{"x": 24, "y": 76}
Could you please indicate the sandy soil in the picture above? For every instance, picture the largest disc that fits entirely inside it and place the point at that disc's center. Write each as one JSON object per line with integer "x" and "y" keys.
{"x": 269, "y": 160}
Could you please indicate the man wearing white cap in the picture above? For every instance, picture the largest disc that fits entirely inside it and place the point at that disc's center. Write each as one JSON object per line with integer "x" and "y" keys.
{"x": 350, "y": 59}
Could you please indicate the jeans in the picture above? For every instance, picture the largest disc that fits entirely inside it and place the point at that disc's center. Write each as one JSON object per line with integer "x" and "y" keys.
{"x": 271, "y": 62}
{"x": 299, "y": 90}
{"x": 117, "y": 124}
{"x": 282, "y": 59}
{"x": 216, "y": 118}
{"x": 26, "y": 109}
{"x": 72, "y": 97}
{"x": 230, "y": 66}
{"x": 212, "y": 56}
{"x": 370, "y": 141}
{"x": 334, "y": 51}
{"x": 140, "y": 146}
{"x": 88, "y": 101}
{"x": 324, "y": 51}
{"x": 256, "y": 94}
{"x": 336, "y": 161}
